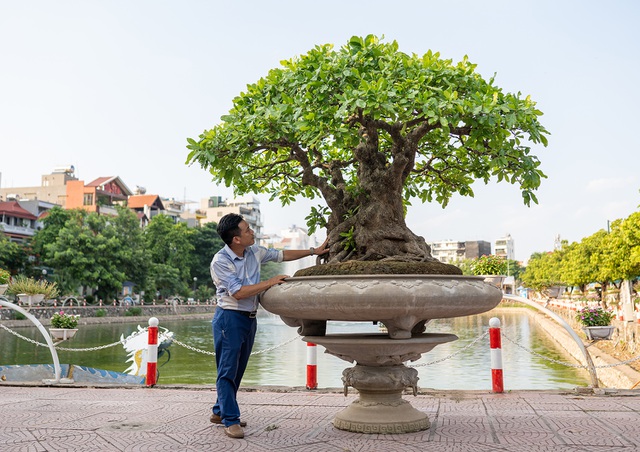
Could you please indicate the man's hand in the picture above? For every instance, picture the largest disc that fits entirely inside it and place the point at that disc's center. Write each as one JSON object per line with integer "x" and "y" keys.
{"x": 279, "y": 279}
{"x": 323, "y": 249}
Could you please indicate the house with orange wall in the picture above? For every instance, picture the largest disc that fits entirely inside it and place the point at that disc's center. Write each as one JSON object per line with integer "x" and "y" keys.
{"x": 99, "y": 195}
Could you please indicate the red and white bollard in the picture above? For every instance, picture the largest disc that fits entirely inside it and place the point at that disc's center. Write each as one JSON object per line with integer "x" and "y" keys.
{"x": 495, "y": 342}
{"x": 312, "y": 366}
{"x": 152, "y": 352}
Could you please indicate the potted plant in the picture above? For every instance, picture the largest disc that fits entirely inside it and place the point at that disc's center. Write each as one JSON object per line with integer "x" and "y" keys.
{"x": 5, "y": 277}
{"x": 63, "y": 326}
{"x": 596, "y": 323}
{"x": 493, "y": 268}
{"x": 371, "y": 129}
{"x": 30, "y": 291}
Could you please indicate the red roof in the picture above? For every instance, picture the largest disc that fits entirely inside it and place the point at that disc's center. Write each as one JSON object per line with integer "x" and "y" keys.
{"x": 139, "y": 201}
{"x": 13, "y": 209}
{"x": 102, "y": 181}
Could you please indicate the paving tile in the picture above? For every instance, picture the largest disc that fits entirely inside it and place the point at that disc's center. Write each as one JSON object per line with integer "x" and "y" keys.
{"x": 177, "y": 419}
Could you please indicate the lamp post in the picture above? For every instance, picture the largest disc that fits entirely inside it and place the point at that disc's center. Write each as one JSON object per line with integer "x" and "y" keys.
{"x": 44, "y": 273}
{"x": 195, "y": 281}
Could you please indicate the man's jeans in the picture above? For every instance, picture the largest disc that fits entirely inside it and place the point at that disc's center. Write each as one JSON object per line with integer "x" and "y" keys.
{"x": 233, "y": 336}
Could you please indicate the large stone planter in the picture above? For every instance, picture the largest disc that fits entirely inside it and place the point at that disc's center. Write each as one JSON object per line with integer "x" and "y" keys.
{"x": 405, "y": 304}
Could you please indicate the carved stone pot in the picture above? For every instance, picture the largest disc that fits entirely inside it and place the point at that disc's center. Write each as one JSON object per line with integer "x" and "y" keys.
{"x": 380, "y": 377}
{"x": 405, "y": 304}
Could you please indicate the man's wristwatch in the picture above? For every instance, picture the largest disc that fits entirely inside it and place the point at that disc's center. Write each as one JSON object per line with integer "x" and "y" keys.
{"x": 312, "y": 250}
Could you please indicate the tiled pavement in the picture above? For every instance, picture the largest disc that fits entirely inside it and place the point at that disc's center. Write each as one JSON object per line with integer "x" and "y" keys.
{"x": 35, "y": 418}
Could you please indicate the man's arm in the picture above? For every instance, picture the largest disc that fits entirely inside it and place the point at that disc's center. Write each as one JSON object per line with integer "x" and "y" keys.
{"x": 292, "y": 255}
{"x": 255, "y": 289}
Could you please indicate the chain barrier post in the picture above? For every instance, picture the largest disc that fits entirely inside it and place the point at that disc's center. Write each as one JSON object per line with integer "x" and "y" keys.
{"x": 495, "y": 343}
{"x": 152, "y": 353}
{"x": 312, "y": 366}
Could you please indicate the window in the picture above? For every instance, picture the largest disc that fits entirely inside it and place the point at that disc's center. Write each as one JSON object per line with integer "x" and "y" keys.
{"x": 88, "y": 199}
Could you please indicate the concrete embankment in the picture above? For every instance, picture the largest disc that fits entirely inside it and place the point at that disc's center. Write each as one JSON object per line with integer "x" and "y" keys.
{"x": 110, "y": 314}
{"x": 621, "y": 376}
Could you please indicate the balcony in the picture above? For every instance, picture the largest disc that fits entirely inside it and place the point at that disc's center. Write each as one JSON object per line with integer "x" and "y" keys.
{"x": 19, "y": 230}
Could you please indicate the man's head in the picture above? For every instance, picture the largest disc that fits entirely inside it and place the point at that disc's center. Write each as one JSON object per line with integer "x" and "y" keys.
{"x": 233, "y": 225}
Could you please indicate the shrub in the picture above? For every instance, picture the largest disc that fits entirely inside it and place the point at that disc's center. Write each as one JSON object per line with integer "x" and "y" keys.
{"x": 15, "y": 315}
{"x": 490, "y": 265}
{"x": 101, "y": 313}
{"x": 24, "y": 285}
{"x": 62, "y": 320}
{"x": 5, "y": 276}
{"x": 594, "y": 317}
{"x": 132, "y": 312}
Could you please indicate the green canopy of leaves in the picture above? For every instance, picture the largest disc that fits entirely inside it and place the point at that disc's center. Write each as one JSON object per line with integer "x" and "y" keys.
{"x": 436, "y": 126}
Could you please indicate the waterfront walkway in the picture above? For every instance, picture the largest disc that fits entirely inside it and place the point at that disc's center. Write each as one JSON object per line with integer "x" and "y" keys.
{"x": 70, "y": 418}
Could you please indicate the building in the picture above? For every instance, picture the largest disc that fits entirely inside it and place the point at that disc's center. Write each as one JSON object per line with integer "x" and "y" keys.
{"x": 145, "y": 206}
{"x": 248, "y": 206}
{"x": 477, "y": 248}
{"x": 100, "y": 195}
{"x": 175, "y": 210}
{"x": 505, "y": 247}
{"x": 447, "y": 251}
{"x": 15, "y": 222}
{"x": 451, "y": 251}
{"x": 53, "y": 188}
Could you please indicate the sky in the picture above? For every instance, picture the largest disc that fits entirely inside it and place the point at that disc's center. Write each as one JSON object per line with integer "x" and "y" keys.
{"x": 115, "y": 88}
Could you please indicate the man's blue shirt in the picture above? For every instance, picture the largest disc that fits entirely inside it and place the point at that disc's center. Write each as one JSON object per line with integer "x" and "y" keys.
{"x": 230, "y": 272}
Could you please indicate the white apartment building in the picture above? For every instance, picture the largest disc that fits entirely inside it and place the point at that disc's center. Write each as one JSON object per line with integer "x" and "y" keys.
{"x": 451, "y": 251}
{"x": 505, "y": 247}
{"x": 248, "y": 206}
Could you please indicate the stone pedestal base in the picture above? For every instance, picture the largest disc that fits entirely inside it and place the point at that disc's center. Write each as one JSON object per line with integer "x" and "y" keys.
{"x": 381, "y": 408}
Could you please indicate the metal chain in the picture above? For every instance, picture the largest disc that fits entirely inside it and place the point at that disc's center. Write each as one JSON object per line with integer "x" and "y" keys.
{"x": 206, "y": 352}
{"x": 40, "y": 344}
{"x": 580, "y": 366}
{"x": 470, "y": 344}
{"x": 193, "y": 349}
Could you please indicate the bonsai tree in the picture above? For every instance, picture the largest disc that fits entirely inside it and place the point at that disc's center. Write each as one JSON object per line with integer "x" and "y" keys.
{"x": 367, "y": 128}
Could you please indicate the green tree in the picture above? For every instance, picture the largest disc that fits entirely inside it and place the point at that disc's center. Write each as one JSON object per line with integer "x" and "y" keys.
{"x": 135, "y": 260}
{"x": 206, "y": 242}
{"x": 166, "y": 280}
{"x": 53, "y": 222}
{"x": 624, "y": 247}
{"x": 14, "y": 257}
{"x": 88, "y": 252}
{"x": 170, "y": 244}
{"x": 541, "y": 272}
{"x": 576, "y": 267}
{"x": 368, "y": 127}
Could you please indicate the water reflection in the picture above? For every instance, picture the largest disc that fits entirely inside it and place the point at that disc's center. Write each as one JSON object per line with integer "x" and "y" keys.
{"x": 286, "y": 365}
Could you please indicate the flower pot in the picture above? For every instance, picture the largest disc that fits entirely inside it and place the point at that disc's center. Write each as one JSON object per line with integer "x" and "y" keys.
{"x": 598, "y": 332}
{"x": 63, "y": 333}
{"x": 495, "y": 280}
{"x": 31, "y": 300}
{"x": 3, "y": 288}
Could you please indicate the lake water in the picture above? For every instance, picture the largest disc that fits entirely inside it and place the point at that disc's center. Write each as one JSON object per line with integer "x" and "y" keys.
{"x": 286, "y": 365}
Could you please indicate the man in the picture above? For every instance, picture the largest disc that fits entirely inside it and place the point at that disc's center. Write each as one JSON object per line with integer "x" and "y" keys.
{"x": 235, "y": 270}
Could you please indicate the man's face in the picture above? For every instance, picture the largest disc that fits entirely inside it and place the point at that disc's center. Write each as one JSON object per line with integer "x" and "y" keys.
{"x": 247, "y": 236}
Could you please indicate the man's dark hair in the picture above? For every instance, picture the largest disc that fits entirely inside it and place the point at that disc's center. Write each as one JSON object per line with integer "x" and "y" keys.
{"x": 228, "y": 227}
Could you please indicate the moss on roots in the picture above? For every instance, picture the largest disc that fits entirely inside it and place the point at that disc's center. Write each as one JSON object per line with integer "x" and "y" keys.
{"x": 381, "y": 268}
